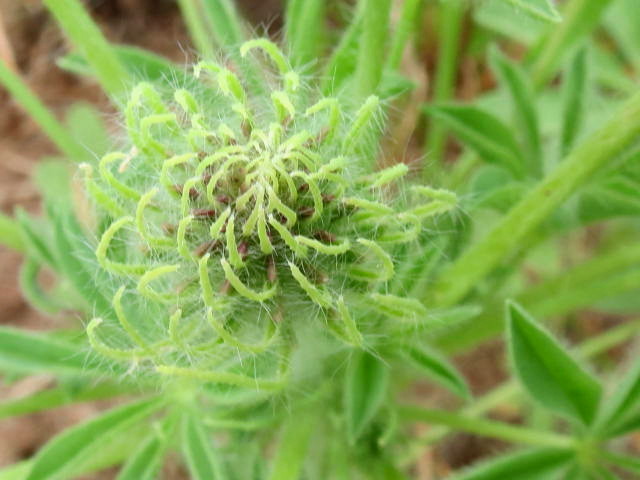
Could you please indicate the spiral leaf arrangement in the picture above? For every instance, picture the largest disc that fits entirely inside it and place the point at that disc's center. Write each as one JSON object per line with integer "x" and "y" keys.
{"x": 242, "y": 208}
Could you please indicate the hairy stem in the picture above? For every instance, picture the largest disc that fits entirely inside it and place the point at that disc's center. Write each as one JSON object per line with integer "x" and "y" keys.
{"x": 458, "y": 279}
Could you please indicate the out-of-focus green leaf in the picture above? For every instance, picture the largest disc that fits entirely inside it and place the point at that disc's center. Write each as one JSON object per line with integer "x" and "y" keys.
{"x": 516, "y": 82}
{"x": 437, "y": 368}
{"x": 64, "y": 454}
{"x": 293, "y": 447}
{"x": 145, "y": 462}
{"x": 198, "y": 451}
{"x": 547, "y": 372}
{"x": 482, "y": 132}
{"x": 541, "y": 9}
{"x": 10, "y": 233}
{"x": 24, "y": 352}
{"x": 87, "y": 127}
{"x": 366, "y": 383}
{"x": 621, "y": 413}
{"x": 574, "y": 93}
{"x": 305, "y": 29}
{"x": 541, "y": 464}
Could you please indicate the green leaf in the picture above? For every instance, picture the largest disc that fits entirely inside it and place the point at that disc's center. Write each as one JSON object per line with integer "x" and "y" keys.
{"x": 58, "y": 396}
{"x": 621, "y": 413}
{"x": 224, "y": 22}
{"x": 540, "y": 9}
{"x": 294, "y": 446}
{"x": 76, "y": 446}
{"x": 521, "y": 91}
{"x": 371, "y": 47}
{"x": 36, "y": 238}
{"x": 626, "y": 462}
{"x": 482, "y": 132}
{"x": 39, "y": 112}
{"x": 304, "y": 26}
{"x": 342, "y": 63}
{"x": 539, "y": 464}
{"x": 76, "y": 260}
{"x": 17, "y": 471}
{"x": 198, "y": 451}
{"x": 547, "y": 372}
{"x": 365, "y": 390}
{"x": 438, "y": 369}
{"x": 33, "y": 292}
{"x": 88, "y": 129}
{"x": 574, "y": 93}
{"x": 24, "y": 352}
{"x": 88, "y": 39}
{"x": 145, "y": 462}
{"x": 53, "y": 179}
{"x": 10, "y": 233}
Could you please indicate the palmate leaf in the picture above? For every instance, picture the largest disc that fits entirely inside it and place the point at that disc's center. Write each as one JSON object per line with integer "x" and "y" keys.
{"x": 65, "y": 453}
{"x": 540, "y": 9}
{"x": 547, "y": 372}
{"x": 539, "y": 464}
{"x": 365, "y": 388}
{"x": 483, "y": 132}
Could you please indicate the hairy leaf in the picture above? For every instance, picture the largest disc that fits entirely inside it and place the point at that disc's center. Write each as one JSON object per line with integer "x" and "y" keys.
{"x": 547, "y": 371}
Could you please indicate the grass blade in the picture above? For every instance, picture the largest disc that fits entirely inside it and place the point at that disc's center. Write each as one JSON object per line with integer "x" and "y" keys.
{"x": 56, "y": 132}
{"x": 579, "y": 167}
{"x": 547, "y": 372}
{"x": 88, "y": 39}
{"x": 65, "y": 453}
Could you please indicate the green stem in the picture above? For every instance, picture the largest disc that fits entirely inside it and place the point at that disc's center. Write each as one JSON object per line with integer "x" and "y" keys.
{"x": 597, "y": 279}
{"x": 580, "y": 18}
{"x": 459, "y": 278}
{"x": 451, "y": 15}
{"x": 487, "y": 428}
{"x": 370, "y": 61}
{"x": 508, "y": 391}
{"x": 87, "y": 38}
{"x": 56, "y": 132}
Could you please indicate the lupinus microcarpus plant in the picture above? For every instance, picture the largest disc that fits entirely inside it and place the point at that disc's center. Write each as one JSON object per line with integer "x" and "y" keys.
{"x": 240, "y": 258}
{"x": 238, "y": 219}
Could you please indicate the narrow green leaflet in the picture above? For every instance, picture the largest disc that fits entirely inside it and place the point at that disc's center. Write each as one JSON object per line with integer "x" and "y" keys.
{"x": 366, "y": 383}
{"x": 574, "y": 91}
{"x": 10, "y": 233}
{"x": 24, "y": 352}
{"x": 541, "y": 9}
{"x": 17, "y": 471}
{"x": 147, "y": 459}
{"x": 482, "y": 132}
{"x": 621, "y": 412}
{"x": 87, "y": 37}
{"x": 224, "y": 22}
{"x": 198, "y": 451}
{"x": 516, "y": 82}
{"x": 58, "y": 396}
{"x": 547, "y": 372}
{"x": 342, "y": 62}
{"x": 65, "y": 453}
{"x": 539, "y": 464}
{"x": 294, "y": 446}
{"x": 438, "y": 369}
{"x": 626, "y": 462}
{"x": 304, "y": 22}
{"x": 35, "y": 237}
{"x": 87, "y": 127}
